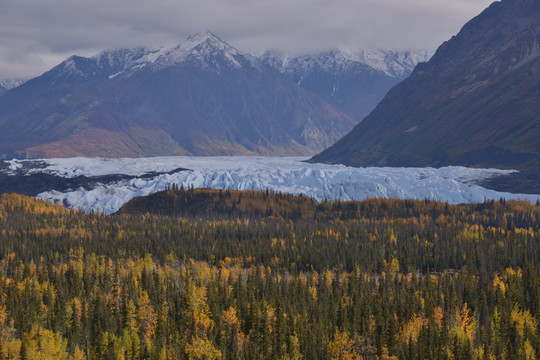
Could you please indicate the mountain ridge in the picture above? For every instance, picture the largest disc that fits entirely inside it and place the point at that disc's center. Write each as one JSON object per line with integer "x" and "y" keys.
{"x": 395, "y": 63}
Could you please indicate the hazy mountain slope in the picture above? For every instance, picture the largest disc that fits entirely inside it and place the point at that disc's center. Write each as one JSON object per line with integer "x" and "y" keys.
{"x": 202, "y": 97}
{"x": 352, "y": 81}
{"x": 475, "y": 103}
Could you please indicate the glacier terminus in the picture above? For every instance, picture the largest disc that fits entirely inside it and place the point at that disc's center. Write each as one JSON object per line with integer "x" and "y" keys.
{"x": 454, "y": 185}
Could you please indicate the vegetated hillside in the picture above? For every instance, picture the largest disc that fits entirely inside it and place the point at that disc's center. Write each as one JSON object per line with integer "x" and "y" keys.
{"x": 475, "y": 103}
{"x": 352, "y": 81}
{"x": 221, "y": 204}
{"x": 380, "y": 279}
{"x": 202, "y": 97}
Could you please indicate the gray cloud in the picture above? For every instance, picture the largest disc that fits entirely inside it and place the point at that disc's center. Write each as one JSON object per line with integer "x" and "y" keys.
{"x": 36, "y": 34}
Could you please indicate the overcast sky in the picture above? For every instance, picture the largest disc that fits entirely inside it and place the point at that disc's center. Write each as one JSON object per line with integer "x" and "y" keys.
{"x": 35, "y": 35}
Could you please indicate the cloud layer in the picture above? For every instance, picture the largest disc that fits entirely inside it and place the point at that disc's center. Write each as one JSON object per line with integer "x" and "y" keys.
{"x": 36, "y": 35}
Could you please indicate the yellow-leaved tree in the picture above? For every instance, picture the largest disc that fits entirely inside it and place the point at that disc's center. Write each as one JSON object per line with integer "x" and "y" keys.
{"x": 232, "y": 333}
{"x": 342, "y": 347}
{"x": 43, "y": 344}
{"x": 147, "y": 319}
{"x": 9, "y": 344}
{"x": 202, "y": 349}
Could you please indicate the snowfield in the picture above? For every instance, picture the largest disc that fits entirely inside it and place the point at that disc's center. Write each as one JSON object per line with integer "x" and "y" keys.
{"x": 280, "y": 174}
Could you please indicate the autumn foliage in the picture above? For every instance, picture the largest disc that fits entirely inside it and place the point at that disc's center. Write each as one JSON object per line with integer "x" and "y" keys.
{"x": 380, "y": 279}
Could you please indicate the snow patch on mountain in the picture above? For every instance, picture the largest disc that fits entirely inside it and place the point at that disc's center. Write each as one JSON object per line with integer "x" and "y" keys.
{"x": 393, "y": 63}
{"x": 8, "y": 84}
{"x": 70, "y": 67}
{"x": 117, "y": 61}
{"x": 289, "y": 175}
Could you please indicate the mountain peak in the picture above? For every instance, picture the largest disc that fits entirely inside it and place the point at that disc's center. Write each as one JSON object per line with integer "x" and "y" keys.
{"x": 74, "y": 67}
{"x": 207, "y": 43}
{"x": 207, "y": 38}
{"x": 202, "y": 49}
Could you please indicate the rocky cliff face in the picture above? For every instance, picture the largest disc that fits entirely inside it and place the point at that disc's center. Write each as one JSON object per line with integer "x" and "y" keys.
{"x": 475, "y": 103}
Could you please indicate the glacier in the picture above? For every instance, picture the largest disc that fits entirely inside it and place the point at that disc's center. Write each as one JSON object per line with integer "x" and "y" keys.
{"x": 454, "y": 185}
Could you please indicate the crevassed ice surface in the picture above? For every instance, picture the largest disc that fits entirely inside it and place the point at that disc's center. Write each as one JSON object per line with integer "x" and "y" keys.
{"x": 280, "y": 174}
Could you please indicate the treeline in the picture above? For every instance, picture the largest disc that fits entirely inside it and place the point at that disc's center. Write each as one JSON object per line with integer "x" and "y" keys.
{"x": 380, "y": 279}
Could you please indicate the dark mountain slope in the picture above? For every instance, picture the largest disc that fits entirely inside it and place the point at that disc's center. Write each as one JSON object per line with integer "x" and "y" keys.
{"x": 475, "y": 103}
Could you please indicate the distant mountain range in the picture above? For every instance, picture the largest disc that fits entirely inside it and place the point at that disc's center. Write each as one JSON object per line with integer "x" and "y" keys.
{"x": 202, "y": 97}
{"x": 475, "y": 103}
{"x": 352, "y": 81}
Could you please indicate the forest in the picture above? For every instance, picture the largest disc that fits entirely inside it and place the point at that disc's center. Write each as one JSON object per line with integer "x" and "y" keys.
{"x": 209, "y": 274}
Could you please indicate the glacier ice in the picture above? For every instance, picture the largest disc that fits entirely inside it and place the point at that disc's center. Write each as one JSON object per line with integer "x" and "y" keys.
{"x": 280, "y": 174}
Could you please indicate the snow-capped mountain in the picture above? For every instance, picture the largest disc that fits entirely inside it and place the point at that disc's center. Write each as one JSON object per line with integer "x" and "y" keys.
{"x": 202, "y": 97}
{"x": 205, "y": 50}
{"x": 8, "y": 84}
{"x": 352, "y": 81}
